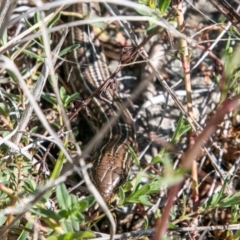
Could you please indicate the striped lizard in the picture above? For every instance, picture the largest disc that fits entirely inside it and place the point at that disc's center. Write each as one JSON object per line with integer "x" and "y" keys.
{"x": 111, "y": 162}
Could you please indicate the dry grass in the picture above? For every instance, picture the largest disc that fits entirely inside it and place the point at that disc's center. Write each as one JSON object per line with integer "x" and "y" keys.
{"x": 184, "y": 181}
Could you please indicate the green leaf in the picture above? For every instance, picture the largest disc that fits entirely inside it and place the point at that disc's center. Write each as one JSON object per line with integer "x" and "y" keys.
{"x": 59, "y": 163}
{"x": 163, "y": 5}
{"x": 49, "y": 98}
{"x": 181, "y": 128}
{"x": 54, "y": 20}
{"x": 12, "y": 77}
{"x": 156, "y": 159}
{"x": 14, "y": 97}
{"x": 152, "y": 186}
{"x": 5, "y": 176}
{"x": 134, "y": 156}
{"x": 4, "y": 38}
{"x": 63, "y": 94}
{"x": 85, "y": 203}
{"x": 127, "y": 186}
{"x": 45, "y": 213}
{"x": 67, "y": 226}
{"x": 33, "y": 129}
{"x": 212, "y": 201}
{"x": 145, "y": 200}
{"x": 57, "y": 124}
{"x": 62, "y": 196}
{"x": 69, "y": 49}
{"x": 236, "y": 235}
{"x": 30, "y": 185}
{"x": 152, "y": 4}
{"x": 90, "y": 200}
{"x": 230, "y": 200}
{"x": 72, "y": 208}
{"x": 73, "y": 236}
{"x": 231, "y": 72}
{"x": 79, "y": 206}
{"x": 71, "y": 98}
{"x": 24, "y": 234}
{"x": 167, "y": 163}
{"x": 77, "y": 217}
{"x": 139, "y": 177}
{"x": 122, "y": 196}
{"x": 6, "y": 133}
{"x": 75, "y": 222}
{"x": 146, "y": 223}
{"x": 25, "y": 71}
{"x": 140, "y": 192}
{"x": 63, "y": 214}
{"x": 225, "y": 184}
{"x": 172, "y": 226}
{"x": 2, "y": 220}
{"x": 72, "y": 201}
{"x": 173, "y": 212}
{"x": 3, "y": 109}
{"x": 37, "y": 17}
{"x": 33, "y": 55}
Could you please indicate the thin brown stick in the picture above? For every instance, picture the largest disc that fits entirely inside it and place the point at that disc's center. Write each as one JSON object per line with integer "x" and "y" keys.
{"x": 228, "y": 11}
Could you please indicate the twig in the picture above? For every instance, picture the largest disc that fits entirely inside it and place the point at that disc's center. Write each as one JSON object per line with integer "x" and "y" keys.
{"x": 185, "y": 57}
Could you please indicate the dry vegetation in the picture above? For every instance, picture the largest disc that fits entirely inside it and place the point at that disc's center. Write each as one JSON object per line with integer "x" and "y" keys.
{"x": 182, "y": 91}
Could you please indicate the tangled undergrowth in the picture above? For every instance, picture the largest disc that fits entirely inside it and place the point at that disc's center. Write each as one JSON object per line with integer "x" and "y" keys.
{"x": 182, "y": 91}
